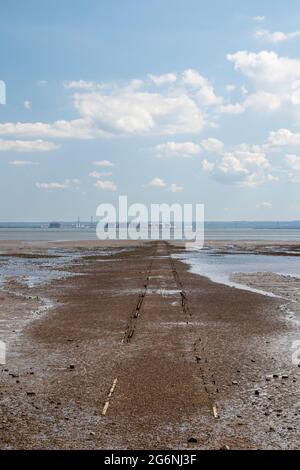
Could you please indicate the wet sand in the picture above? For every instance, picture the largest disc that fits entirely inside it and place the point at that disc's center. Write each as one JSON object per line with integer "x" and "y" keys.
{"x": 135, "y": 352}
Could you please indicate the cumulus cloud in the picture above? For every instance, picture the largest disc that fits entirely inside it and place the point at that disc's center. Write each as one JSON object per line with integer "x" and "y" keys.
{"x": 104, "y": 163}
{"x": 282, "y": 138}
{"x": 26, "y": 145}
{"x": 293, "y": 161}
{"x": 236, "y": 108}
{"x": 263, "y": 100}
{"x": 76, "y": 129}
{"x": 157, "y": 183}
{"x": 293, "y": 164}
{"x": 258, "y": 18}
{"x": 276, "y": 78}
{"x": 96, "y": 174}
{"x": 174, "y": 188}
{"x": 131, "y": 112}
{"x": 208, "y": 166}
{"x": 106, "y": 185}
{"x": 243, "y": 166}
{"x": 177, "y": 149}
{"x": 165, "y": 104}
{"x": 203, "y": 90}
{"x": 230, "y": 88}
{"x": 164, "y": 79}
{"x": 188, "y": 149}
{"x": 264, "y": 205}
{"x": 27, "y": 104}
{"x": 67, "y": 184}
{"x": 80, "y": 85}
{"x": 266, "y": 68}
{"x": 23, "y": 162}
{"x": 212, "y": 145}
{"x": 275, "y": 37}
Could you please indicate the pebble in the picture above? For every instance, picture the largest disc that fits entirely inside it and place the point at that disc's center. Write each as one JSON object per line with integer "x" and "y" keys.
{"x": 192, "y": 440}
{"x": 234, "y": 382}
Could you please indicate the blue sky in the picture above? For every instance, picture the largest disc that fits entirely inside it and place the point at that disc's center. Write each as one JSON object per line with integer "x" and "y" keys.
{"x": 164, "y": 101}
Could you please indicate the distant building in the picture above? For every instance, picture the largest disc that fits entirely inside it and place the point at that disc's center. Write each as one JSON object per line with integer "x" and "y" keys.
{"x": 55, "y": 225}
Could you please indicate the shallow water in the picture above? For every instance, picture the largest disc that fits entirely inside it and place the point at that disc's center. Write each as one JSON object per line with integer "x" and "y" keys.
{"x": 211, "y": 233}
{"x": 32, "y": 272}
{"x": 41, "y": 270}
{"x": 221, "y": 267}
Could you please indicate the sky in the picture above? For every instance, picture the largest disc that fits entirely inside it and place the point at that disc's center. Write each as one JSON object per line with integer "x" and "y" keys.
{"x": 167, "y": 101}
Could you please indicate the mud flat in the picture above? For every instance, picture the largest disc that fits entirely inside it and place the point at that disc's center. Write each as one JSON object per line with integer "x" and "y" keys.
{"x": 127, "y": 349}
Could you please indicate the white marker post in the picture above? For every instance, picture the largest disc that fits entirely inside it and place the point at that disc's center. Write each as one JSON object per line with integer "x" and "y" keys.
{"x": 2, "y": 352}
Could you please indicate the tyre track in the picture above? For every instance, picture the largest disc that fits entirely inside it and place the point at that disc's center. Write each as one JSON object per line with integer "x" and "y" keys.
{"x": 131, "y": 326}
{"x": 207, "y": 375}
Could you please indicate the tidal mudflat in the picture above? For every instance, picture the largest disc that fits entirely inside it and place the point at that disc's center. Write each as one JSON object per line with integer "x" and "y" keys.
{"x": 128, "y": 346}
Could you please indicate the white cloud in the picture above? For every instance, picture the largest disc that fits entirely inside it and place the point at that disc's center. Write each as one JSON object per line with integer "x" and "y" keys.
{"x": 230, "y": 88}
{"x": 165, "y": 104}
{"x": 76, "y": 129}
{"x": 42, "y": 82}
{"x": 167, "y": 78}
{"x": 80, "y": 85}
{"x": 177, "y": 149}
{"x": 193, "y": 78}
{"x": 293, "y": 164}
{"x": 203, "y": 91}
{"x": 67, "y": 184}
{"x": 276, "y": 78}
{"x": 174, "y": 188}
{"x": 258, "y": 18}
{"x": 96, "y": 174}
{"x": 242, "y": 166}
{"x": 23, "y": 163}
{"x": 208, "y": 166}
{"x": 157, "y": 183}
{"x": 266, "y": 68}
{"x": 104, "y": 163}
{"x": 282, "y": 138}
{"x": 27, "y": 104}
{"x": 131, "y": 112}
{"x": 264, "y": 205}
{"x": 105, "y": 185}
{"x": 26, "y": 145}
{"x": 212, "y": 145}
{"x": 275, "y": 37}
{"x": 188, "y": 149}
{"x": 263, "y": 100}
{"x": 236, "y": 108}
